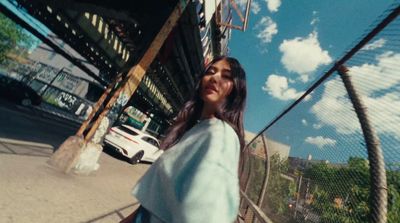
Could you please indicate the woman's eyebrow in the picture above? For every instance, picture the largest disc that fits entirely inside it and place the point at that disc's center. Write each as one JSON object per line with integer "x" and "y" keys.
{"x": 215, "y": 68}
{"x": 226, "y": 70}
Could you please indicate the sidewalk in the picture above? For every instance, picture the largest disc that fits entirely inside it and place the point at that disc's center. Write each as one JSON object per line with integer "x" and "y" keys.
{"x": 32, "y": 191}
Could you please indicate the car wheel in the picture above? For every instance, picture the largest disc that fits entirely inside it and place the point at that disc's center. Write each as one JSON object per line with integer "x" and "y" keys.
{"x": 137, "y": 157}
{"x": 26, "y": 102}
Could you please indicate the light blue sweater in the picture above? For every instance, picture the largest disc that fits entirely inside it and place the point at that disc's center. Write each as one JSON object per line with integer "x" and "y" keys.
{"x": 197, "y": 179}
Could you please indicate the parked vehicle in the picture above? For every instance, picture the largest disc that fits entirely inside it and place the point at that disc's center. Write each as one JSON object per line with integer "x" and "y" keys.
{"x": 133, "y": 144}
{"x": 16, "y": 91}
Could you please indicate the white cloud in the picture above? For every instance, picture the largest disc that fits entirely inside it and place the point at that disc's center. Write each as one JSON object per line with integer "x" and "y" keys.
{"x": 335, "y": 109}
{"x": 373, "y": 73}
{"x": 304, "y": 122}
{"x": 375, "y": 45}
{"x": 303, "y": 55}
{"x": 277, "y": 86}
{"x": 376, "y": 83}
{"x": 315, "y": 19}
{"x": 267, "y": 29}
{"x": 242, "y": 4}
{"x": 307, "y": 97}
{"x": 273, "y": 5}
{"x": 304, "y": 78}
{"x": 255, "y": 7}
{"x": 320, "y": 141}
{"x": 317, "y": 126}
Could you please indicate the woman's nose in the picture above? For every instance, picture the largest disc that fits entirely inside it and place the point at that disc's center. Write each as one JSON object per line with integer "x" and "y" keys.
{"x": 215, "y": 77}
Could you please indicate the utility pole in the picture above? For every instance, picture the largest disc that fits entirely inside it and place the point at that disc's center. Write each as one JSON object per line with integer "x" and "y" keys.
{"x": 82, "y": 153}
{"x": 298, "y": 195}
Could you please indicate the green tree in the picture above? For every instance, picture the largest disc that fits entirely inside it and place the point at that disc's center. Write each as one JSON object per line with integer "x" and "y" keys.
{"x": 279, "y": 189}
{"x": 257, "y": 176}
{"x": 11, "y": 36}
{"x": 350, "y": 183}
{"x": 393, "y": 180}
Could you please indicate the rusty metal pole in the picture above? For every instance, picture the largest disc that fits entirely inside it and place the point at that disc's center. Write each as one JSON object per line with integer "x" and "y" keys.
{"x": 248, "y": 214}
{"x": 247, "y": 13}
{"x": 98, "y": 104}
{"x": 378, "y": 193}
{"x": 235, "y": 6}
{"x": 70, "y": 155}
{"x": 137, "y": 72}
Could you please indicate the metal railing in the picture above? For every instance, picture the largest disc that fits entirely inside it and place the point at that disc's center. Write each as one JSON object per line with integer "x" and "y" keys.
{"x": 333, "y": 155}
{"x": 58, "y": 96}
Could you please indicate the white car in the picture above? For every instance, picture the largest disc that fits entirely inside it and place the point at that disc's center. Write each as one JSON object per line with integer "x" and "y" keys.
{"x": 133, "y": 144}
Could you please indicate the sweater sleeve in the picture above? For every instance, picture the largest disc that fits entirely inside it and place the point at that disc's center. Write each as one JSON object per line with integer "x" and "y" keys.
{"x": 209, "y": 190}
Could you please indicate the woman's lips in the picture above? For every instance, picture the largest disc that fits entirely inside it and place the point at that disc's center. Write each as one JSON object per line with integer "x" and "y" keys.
{"x": 211, "y": 88}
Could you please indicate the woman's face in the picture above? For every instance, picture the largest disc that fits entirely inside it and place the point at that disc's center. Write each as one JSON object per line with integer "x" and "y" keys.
{"x": 216, "y": 84}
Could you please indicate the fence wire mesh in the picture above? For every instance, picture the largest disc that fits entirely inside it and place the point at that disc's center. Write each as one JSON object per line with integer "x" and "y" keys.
{"x": 312, "y": 164}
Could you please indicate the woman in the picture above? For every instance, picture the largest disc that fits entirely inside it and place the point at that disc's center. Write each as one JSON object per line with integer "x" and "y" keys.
{"x": 196, "y": 178}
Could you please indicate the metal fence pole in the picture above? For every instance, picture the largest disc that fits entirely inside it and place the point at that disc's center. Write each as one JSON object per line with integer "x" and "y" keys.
{"x": 267, "y": 169}
{"x": 248, "y": 214}
{"x": 378, "y": 193}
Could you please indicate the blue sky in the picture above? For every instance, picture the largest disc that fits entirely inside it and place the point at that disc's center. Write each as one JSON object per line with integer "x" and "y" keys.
{"x": 339, "y": 24}
{"x": 288, "y": 44}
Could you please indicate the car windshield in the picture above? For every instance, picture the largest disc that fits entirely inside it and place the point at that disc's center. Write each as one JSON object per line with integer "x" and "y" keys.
{"x": 127, "y": 130}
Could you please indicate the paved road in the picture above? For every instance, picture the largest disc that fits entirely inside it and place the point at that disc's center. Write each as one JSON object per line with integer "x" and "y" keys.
{"x": 32, "y": 191}
{"x": 24, "y": 123}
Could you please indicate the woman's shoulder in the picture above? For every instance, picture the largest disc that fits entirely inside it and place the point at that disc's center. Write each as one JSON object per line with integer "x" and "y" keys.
{"x": 218, "y": 127}
{"x": 220, "y": 140}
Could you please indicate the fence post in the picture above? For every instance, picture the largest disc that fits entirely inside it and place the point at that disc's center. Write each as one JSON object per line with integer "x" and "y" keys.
{"x": 378, "y": 193}
{"x": 267, "y": 168}
{"x": 248, "y": 214}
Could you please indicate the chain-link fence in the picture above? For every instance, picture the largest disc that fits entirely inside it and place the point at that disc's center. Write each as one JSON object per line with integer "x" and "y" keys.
{"x": 334, "y": 154}
{"x": 62, "y": 93}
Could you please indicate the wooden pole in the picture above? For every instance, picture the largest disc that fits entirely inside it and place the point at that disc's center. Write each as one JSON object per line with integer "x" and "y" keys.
{"x": 137, "y": 72}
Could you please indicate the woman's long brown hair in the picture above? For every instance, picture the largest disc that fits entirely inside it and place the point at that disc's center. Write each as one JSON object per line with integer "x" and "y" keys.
{"x": 231, "y": 112}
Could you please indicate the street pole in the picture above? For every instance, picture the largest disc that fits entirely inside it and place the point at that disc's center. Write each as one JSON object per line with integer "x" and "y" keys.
{"x": 77, "y": 153}
{"x": 298, "y": 195}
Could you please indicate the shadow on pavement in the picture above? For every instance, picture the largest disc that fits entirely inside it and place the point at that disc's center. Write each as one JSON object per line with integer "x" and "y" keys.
{"x": 117, "y": 212}
{"x": 111, "y": 152}
{"x": 25, "y": 150}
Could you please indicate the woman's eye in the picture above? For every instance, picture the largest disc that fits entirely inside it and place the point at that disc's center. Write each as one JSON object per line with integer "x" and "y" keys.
{"x": 227, "y": 76}
{"x": 211, "y": 71}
